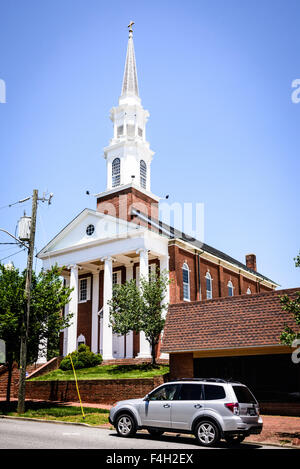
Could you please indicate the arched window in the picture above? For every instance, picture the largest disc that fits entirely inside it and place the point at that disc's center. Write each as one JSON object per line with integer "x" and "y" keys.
{"x": 186, "y": 281}
{"x": 116, "y": 164}
{"x": 143, "y": 174}
{"x": 208, "y": 286}
{"x": 230, "y": 288}
{"x": 248, "y": 291}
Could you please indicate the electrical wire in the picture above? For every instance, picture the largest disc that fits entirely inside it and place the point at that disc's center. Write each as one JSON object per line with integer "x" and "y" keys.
{"x": 15, "y": 203}
{"x": 11, "y": 255}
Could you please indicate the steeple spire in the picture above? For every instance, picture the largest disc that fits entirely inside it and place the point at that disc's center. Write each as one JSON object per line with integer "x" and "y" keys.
{"x": 130, "y": 82}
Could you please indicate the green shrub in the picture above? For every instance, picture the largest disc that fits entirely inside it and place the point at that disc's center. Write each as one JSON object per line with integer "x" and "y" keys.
{"x": 82, "y": 358}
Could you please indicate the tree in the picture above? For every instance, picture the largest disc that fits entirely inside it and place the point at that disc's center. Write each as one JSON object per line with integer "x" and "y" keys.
{"x": 288, "y": 336}
{"x": 134, "y": 308}
{"x": 48, "y": 297}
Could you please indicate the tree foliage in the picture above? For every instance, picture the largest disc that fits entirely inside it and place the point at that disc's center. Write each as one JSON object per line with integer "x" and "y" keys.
{"x": 293, "y": 307}
{"x": 142, "y": 308}
{"x": 48, "y": 298}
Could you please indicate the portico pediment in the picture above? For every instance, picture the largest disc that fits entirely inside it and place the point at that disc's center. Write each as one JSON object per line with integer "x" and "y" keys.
{"x": 88, "y": 228}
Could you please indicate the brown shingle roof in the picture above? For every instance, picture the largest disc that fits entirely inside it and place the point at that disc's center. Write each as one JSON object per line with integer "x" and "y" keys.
{"x": 241, "y": 321}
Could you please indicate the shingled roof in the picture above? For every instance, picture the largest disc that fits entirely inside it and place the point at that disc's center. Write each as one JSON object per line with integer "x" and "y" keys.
{"x": 243, "y": 321}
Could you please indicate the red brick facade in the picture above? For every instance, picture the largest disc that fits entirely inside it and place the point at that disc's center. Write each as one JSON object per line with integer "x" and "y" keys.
{"x": 121, "y": 203}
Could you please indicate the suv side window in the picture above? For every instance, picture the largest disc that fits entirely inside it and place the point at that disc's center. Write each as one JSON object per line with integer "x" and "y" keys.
{"x": 213, "y": 391}
{"x": 164, "y": 393}
{"x": 190, "y": 392}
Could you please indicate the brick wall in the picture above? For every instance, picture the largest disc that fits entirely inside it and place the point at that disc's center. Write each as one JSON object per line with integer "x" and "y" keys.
{"x": 119, "y": 204}
{"x": 181, "y": 365}
{"x": 92, "y": 391}
{"x": 220, "y": 277}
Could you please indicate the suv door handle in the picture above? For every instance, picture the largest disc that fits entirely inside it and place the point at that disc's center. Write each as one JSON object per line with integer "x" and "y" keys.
{"x": 166, "y": 405}
{"x": 197, "y": 406}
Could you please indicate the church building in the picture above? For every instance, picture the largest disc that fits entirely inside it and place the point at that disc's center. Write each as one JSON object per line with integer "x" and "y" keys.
{"x": 123, "y": 239}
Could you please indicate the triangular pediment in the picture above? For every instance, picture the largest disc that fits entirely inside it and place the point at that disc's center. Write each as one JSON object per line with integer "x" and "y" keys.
{"x": 89, "y": 227}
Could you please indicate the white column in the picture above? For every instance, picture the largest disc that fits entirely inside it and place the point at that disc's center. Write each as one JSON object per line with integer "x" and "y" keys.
{"x": 145, "y": 349}
{"x": 107, "y": 295}
{"x": 164, "y": 268}
{"x": 95, "y": 310}
{"x": 129, "y": 336}
{"x": 73, "y": 308}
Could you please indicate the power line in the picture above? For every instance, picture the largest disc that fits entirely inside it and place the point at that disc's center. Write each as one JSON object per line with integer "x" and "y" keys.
{"x": 14, "y": 203}
{"x": 11, "y": 255}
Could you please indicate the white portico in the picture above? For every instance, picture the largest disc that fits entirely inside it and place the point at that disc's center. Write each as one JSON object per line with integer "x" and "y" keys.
{"x": 96, "y": 250}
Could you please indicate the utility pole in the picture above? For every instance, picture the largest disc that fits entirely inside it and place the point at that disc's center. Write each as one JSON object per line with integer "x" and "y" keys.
{"x": 25, "y": 325}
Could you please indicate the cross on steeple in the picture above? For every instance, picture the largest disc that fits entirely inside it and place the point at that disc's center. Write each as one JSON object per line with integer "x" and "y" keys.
{"x": 130, "y": 26}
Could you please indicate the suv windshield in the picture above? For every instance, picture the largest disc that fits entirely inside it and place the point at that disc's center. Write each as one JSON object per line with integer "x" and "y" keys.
{"x": 243, "y": 395}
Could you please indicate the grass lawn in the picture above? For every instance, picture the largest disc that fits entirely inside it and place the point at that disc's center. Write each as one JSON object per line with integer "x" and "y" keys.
{"x": 48, "y": 411}
{"x": 106, "y": 372}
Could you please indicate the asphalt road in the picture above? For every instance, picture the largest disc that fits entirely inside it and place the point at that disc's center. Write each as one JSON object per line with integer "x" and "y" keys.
{"x": 24, "y": 434}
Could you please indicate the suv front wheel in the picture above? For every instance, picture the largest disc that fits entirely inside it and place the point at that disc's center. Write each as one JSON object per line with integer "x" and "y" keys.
{"x": 207, "y": 433}
{"x": 125, "y": 425}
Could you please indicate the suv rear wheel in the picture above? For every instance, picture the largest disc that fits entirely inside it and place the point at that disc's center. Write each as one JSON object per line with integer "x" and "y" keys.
{"x": 125, "y": 425}
{"x": 207, "y": 433}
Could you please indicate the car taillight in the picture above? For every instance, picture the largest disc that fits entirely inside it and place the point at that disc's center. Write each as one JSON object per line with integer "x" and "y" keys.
{"x": 233, "y": 407}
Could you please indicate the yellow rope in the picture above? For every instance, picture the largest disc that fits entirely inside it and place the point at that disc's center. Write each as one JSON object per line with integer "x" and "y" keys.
{"x": 77, "y": 386}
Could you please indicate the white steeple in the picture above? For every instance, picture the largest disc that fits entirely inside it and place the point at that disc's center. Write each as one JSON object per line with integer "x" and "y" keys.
{"x": 128, "y": 155}
{"x": 130, "y": 82}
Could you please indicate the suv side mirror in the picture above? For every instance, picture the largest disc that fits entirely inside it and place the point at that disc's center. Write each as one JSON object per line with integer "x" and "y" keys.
{"x": 146, "y": 398}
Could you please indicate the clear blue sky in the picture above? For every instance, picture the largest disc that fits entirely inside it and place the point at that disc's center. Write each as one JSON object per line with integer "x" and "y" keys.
{"x": 216, "y": 78}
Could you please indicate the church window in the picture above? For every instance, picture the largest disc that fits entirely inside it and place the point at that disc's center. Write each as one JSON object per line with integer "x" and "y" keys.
{"x": 120, "y": 130}
{"x": 143, "y": 174}
{"x": 90, "y": 230}
{"x": 186, "y": 282}
{"x": 116, "y": 179}
{"x": 84, "y": 289}
{"x": 140, "y": 132}
{"x": 208, "y": 286}
{"x": 230, "y": 288}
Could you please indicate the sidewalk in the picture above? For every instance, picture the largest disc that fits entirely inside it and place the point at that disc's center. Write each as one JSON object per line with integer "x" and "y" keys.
{"x": 277, "y": 430}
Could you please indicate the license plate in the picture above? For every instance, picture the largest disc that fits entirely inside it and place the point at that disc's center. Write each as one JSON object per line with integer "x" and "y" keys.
{"x": 251, "y": 411}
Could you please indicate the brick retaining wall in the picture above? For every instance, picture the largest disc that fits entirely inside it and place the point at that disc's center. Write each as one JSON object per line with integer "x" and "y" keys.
{"x": 105, "y": 391}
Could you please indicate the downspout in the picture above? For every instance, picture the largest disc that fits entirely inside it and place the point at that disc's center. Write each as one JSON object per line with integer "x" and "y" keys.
{"x": 199, "y": 276}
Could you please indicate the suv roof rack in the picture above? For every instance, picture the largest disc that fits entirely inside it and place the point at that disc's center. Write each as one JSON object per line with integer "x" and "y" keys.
{"x": 211, "y": 380}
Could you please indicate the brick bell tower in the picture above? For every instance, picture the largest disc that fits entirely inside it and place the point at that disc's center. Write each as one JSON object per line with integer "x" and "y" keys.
{"x": 128, "y": 155}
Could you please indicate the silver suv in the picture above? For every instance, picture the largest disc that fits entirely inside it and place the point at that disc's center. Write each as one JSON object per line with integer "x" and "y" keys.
{"x": 209, "y": 408}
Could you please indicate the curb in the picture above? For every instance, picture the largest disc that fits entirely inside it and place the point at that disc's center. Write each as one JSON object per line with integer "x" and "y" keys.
{"x": 9, "y": 417}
